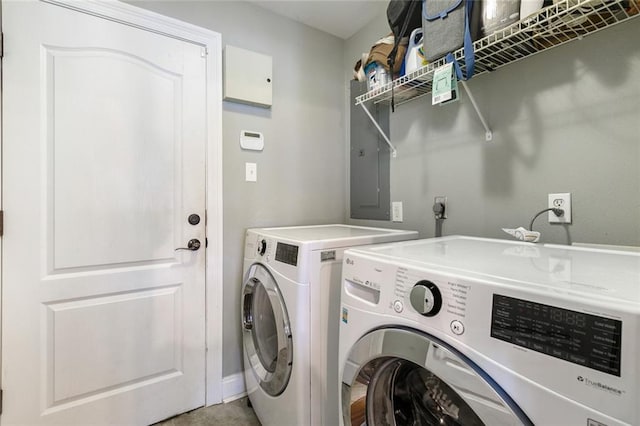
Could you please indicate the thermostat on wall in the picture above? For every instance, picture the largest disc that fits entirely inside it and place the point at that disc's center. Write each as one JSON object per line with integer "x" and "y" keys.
{"x": 251, "y": 140}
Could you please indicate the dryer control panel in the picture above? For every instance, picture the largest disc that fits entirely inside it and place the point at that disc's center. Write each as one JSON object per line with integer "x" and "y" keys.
{"x": 264, "y": 248}
{"x": 287, "y": 253}
{"x": 581, "y": 338}
{"x": 433, "y": 300}
{"x": 285, "y": 257}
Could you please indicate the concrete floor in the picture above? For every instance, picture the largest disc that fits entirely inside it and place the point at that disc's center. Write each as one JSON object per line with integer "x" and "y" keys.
{"x": 235, "y": 413}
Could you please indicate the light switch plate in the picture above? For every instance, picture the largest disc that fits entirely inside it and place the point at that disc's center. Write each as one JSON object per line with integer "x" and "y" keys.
{"x": 251, "y": 172}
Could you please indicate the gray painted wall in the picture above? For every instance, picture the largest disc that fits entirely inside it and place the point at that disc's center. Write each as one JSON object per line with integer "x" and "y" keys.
{"x": 301, "y": 172}
{"x": 565, "y": 120}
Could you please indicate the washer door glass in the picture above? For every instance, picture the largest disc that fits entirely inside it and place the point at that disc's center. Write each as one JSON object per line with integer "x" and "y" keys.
{"x": 402, "y": 377}
{"x": 266, "y": 331}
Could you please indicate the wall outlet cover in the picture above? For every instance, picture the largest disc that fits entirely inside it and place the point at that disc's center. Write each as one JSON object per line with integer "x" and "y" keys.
{"x": 560, "y": 201}
{"x": 396, "y": 211}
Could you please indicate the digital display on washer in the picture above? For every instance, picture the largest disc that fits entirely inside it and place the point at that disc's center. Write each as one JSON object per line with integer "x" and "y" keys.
{"x": 287, "y": 253}
{"x": 580, "y": 338}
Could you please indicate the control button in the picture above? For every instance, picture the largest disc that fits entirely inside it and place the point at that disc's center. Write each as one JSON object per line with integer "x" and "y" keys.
{"x": 398, "y": 306}
{"x": 425, "y": 298}
{"x": 457, "y": 327}
{"x": 262, "y": 247}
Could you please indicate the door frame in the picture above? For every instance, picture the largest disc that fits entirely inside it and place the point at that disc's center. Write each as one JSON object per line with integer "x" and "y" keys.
{"x": 211, "y": 43}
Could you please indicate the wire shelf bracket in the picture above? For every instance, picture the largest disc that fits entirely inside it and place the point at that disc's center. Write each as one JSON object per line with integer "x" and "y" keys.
{"x": 392, "y": 148}
{"x": 488, "y": 134}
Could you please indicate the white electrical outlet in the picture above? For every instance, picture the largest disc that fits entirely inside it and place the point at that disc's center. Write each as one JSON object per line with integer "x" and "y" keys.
{"x": 396, "y": 211}
{"x": 560, "y": 201}
{"x": 251, "y": 172}
{"x": 440, "y": 211}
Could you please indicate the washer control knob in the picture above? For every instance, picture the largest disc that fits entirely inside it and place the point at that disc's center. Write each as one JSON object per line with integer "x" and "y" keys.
{"x": 457, "y": 327}
{"x": 398, "y": 306}
{"x": 425, "y": 298}
{"x": 262, "y": 247}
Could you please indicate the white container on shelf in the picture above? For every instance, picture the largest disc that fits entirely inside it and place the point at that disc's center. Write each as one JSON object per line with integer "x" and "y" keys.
{"x": 377, "y": 75}
{"x": 414, "y": 58}
{"x": 529, "y": 7}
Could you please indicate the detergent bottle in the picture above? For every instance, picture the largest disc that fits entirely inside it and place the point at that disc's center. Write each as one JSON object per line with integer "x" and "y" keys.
{"x": 414, "y": 58}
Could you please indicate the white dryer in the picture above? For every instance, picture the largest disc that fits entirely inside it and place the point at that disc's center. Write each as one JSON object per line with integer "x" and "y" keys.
{"x": 290, "y": 318}
{"x": 470, "y": 331}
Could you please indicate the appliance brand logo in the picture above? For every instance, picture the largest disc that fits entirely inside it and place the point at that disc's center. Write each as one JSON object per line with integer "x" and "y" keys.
{"x": 349, "y": 261}
{"x": 600, "y": 386}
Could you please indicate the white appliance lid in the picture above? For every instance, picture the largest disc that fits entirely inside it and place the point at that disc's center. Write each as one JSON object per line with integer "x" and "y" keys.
{"x": 328, "y": 232}
{"x": 585, "y": 272}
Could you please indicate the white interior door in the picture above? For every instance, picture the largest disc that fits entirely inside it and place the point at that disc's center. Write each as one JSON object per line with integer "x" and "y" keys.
{"x": 104, "y": 134}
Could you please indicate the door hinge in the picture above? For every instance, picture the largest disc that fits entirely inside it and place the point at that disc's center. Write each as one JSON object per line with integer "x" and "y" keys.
{"x": 1, "y": 234}
{"x": 1, "y": 45}
{"x": 0, "y": 401}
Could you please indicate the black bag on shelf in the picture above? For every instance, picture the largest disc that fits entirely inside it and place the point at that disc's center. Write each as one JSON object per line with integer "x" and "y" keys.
{"x": 401, "y": 11}
{"x": 404, "y": 16}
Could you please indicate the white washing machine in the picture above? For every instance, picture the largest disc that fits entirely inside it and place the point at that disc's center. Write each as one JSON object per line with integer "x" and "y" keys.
{"x": 470, "y": 331}
{"x": 290, "y": 318}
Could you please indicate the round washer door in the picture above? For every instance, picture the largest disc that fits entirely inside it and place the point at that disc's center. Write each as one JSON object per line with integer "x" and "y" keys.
{"x": 266, "y": 331}
{"x": 396, "y": 376}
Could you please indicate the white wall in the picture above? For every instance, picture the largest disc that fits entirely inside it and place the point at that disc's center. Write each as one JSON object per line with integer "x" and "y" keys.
{"x": 301, "y": 172}
{"x": 565, "y": 120}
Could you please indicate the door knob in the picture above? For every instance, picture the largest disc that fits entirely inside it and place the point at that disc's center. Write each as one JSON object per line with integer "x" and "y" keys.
{"x": 193, "y": 245}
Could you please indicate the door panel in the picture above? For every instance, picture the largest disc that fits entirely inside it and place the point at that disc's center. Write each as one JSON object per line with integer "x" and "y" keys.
{"x": 128, "y": 189}
{"x": 104, "y": 143}
{"x": 150, "y": 350}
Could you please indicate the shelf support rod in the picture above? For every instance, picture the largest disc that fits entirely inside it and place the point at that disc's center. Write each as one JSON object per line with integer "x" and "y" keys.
{"x": 488, "y": 135}
{"x": 384, "y": 136}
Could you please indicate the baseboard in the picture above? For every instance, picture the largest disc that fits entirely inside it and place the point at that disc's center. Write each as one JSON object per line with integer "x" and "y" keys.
{"x": 233, "y": 387}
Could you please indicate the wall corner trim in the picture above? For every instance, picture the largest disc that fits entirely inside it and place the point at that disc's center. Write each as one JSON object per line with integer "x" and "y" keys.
{"x": 233, "y": 387}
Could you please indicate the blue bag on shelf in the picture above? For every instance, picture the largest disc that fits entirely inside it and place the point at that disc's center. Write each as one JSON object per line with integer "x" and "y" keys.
{"x": 444, "y": 23}
{"x": 447, "y": 26}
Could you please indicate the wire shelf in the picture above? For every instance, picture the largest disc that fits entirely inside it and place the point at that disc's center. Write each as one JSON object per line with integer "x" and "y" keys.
{"x": 552, "y": 26}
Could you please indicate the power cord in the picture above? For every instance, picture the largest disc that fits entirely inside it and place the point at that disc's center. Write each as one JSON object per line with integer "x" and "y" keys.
{"x": 556, "y": 211}
{"x": 438, "y": 211}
